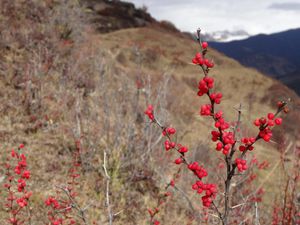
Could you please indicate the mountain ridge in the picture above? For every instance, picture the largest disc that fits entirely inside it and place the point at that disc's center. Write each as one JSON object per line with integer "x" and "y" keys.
{"x": 275, "y": 55}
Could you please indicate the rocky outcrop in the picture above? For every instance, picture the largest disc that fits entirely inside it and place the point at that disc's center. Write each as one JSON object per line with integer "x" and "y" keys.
{"x": 109, "y": 16}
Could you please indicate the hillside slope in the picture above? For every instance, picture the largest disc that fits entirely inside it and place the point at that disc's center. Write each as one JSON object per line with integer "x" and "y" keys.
{"x": 164, "y": 50}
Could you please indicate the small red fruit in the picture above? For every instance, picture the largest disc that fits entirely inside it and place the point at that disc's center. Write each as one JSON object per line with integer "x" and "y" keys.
{"x": 178, "y": 161}
{"x": 204, "y": 45}
{"x": 278, "y": 121}
{"x": 270, "y": 116}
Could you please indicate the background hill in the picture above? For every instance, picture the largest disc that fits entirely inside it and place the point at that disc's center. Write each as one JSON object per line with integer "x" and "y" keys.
{"x": 107, "y": 16}
{"x": 276, "y": 55}
{"x": 62, "y": 82}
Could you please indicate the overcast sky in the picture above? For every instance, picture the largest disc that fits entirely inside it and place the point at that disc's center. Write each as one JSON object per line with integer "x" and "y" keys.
{"x": 253, "y": 16}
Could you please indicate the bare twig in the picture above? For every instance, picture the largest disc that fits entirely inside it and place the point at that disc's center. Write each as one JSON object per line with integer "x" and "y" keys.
{"x": 256, "y": 214}
{"x": 81, "y": 211}
{"x": 109, "y": 211}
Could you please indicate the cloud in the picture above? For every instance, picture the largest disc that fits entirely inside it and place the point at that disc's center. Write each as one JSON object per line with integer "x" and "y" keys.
{"x": 225, "y": 35}
{"x": 253, "y": 16}
{"x": 289, "y": 6}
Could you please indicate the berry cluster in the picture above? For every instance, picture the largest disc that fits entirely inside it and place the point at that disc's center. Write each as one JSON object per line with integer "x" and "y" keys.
{"x": 224, "y": 135}
{"x": 51, "y": 201}
{"x": 205, "y": 84}
{"x": 225, "y": 141}
{"x": 216, "y": 97}
{"x": 210, "y": 191}
{"x": 167, "y": 131}
{"x": 16, "y": 181}
{"x": 220, "y": 122}
{"x": 149, "y": 112}
{"x": 198, "y": 171}
{"x": 241, "y": 164}
{"x": 200, "y": 60}
{"x": 205, "y": 110}
{"x": 265, "y": 125}
{"x": 248, "y": 144}
{"x": 169, "y": 145}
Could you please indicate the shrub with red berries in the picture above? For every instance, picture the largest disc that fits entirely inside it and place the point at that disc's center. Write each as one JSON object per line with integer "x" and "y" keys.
{"x": 16, "y": 180}
{"x": 233, "y": 148}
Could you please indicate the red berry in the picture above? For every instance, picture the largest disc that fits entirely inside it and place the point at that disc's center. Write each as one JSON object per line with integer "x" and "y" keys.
{"x": 156, "y": 222}
{"x": 183, "y": 149}
{"x": 257, "y": 123}
{"x": 198, "y": 55}
{"x": 219, "y": 146}
{"x": 267, "y": 138}
{"x": 244, "y": 140}
{"x": 278, "y": 121}
{"x": 270, "y": 116}
{"x": 178, "y": 161}
{"x": 195, "y": 61}
{"x": 204, "y": 45}
{"x": 262, "y": 120}
{"x": 195, "y": 187}
{"x": 172, "y": 183}
{"x": 172, "y": 144}
{"x": 171, "y": 130}
{"x": 279, "y": 104}
{"x": 227, "y": 147}
{"x": 252, "y": 140}
{"x": 242, "y": 148}
{"x": 270, "y": 123}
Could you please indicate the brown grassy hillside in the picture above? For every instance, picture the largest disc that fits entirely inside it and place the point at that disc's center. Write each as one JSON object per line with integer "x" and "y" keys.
{"x": 62, "y": 82}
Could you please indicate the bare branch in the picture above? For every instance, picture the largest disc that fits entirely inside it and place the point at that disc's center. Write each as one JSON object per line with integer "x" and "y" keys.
{"x": 109, "y": 211}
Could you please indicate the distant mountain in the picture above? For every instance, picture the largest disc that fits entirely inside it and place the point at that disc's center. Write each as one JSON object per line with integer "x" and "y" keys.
{"x": 276, "y": 55}
{"x": 225, "y": 35}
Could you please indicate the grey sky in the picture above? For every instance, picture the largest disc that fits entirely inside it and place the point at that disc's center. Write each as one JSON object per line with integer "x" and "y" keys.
{"x": 293, "y": 6}
{"x": 253, "y": 16}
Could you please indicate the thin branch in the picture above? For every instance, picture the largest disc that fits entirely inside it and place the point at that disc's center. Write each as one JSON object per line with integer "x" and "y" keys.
{"x": 109, "y": 211}
{"x": 256, "y": 214}
{"x": 236, "y": 206}
{"x": 74, "y": 205}
{"x": 218, "y": 211}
